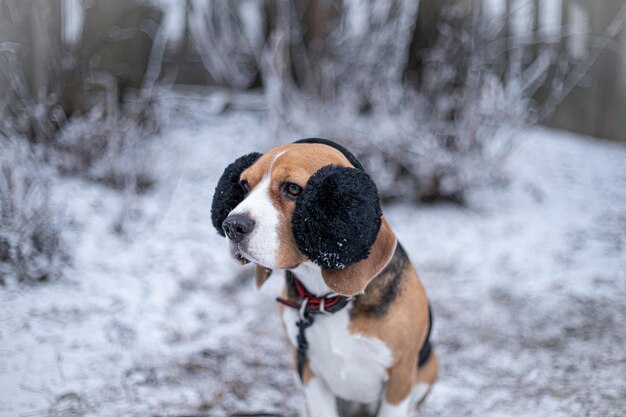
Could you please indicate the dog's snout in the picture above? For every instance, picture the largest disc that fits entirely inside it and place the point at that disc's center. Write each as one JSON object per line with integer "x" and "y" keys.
{"x": 237, "y": 226}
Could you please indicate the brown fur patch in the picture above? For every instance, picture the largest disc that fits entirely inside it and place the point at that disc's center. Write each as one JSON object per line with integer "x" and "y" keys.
{"x": 384, "y": 289}
{"x": 428, "y": 372}
{"x": 401, "y": 379}
{"x": 307, "y": 373}
{"x": 403, "y": 329}
{"x": 297, "y": 163}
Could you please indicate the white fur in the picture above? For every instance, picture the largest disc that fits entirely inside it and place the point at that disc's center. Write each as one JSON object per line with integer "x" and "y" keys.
{"x": 404, "y": 408}
{"x": 320, "y": 402}
{"x": 263, "y": 243}
{"x": 401, "y": 409}
{"x": 419, "y": 392}
{"x": 311, "y": 277}
{"x": 351, "y": 365}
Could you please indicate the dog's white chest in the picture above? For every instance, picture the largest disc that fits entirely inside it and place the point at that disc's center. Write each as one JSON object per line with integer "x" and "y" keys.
{"x": 352, "y": 366}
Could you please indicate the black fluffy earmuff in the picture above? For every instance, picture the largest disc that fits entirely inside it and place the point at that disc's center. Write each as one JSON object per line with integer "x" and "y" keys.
{"x": 228, "y": 193}
{"x": 337, "y": 217}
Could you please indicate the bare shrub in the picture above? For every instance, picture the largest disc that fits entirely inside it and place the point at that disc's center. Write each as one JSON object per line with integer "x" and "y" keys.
{"x": 110, "y": 144}
{"x": 111, "y": 149}
{"x": 31, "y": 248}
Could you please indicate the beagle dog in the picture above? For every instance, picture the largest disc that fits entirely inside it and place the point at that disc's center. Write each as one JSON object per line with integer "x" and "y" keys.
{"x": 353, "y": 306}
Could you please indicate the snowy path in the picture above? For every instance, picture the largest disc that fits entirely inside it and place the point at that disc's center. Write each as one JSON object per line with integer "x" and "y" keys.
{"x": 528, "y": 286}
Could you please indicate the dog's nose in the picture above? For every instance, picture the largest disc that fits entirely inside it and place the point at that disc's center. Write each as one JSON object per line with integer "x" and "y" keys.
{"x": 237, "y": 226}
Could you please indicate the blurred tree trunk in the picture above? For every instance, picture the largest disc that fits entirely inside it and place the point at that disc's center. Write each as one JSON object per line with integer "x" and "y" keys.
{"x": 425, "y": 36}
{"x": 622, "y": 85}
{"x": 596, "y": 106}
{"x": 44, "y": 29}
{"x": 320, "y": 19}
{"x": 306, "y": 25}
{"x": 183, "y": 59}
{"x": 113, "y": 54}
{"x": 608, "y": 121}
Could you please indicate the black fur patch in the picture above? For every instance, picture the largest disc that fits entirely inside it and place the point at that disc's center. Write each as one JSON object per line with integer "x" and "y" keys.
{"x": 426, "y": 349}
{"x": 228, "y": 193}
{"x": 292, "y": 293}
{"x": 384, "y": 288}
{"x": 337, "y": 217}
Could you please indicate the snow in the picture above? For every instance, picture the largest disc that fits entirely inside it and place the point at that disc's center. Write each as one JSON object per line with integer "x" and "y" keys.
{"x": 527, "y": 283}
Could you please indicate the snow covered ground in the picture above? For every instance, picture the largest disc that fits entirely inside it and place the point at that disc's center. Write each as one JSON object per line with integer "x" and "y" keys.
{"x": 527, "y": 283}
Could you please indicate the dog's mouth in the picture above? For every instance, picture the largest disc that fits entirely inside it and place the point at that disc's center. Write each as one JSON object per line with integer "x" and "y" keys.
{"x": 240, "y": 255}
{"x": 241, "y": 259}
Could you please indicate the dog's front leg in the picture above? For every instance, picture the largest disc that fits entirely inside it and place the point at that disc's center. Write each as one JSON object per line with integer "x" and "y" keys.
{"x": 319, "y": 400}
{"x": 398, "y": 401}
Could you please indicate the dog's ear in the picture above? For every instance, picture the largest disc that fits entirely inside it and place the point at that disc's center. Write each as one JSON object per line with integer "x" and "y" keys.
{"x": 355, "y": 278}
{"x": 228, "y": 193}
{"x": 336, "y": 222}
{"x": 262, "y": 274}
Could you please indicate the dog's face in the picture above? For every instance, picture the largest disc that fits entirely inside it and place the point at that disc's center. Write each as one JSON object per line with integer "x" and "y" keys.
{"x": 297, "y": 202}
{"x": 272, "y": 185}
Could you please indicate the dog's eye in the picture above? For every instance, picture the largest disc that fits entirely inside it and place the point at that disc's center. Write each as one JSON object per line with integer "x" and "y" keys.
{"x": 245, "y": 186}
{"x": 291, "y": 190}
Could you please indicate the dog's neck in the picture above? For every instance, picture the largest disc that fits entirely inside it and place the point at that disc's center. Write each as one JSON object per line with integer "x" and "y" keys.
{"x": 310, "y": 275}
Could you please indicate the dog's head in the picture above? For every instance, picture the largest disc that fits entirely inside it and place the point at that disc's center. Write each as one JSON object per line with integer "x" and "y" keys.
{"x": 309, "y": 200}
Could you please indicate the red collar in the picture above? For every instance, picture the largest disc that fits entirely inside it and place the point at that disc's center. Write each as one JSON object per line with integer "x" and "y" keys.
{"x": 310, "y": 303}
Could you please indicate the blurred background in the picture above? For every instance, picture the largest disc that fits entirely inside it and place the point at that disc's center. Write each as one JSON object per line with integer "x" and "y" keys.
{"x": 494, "y": 129}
